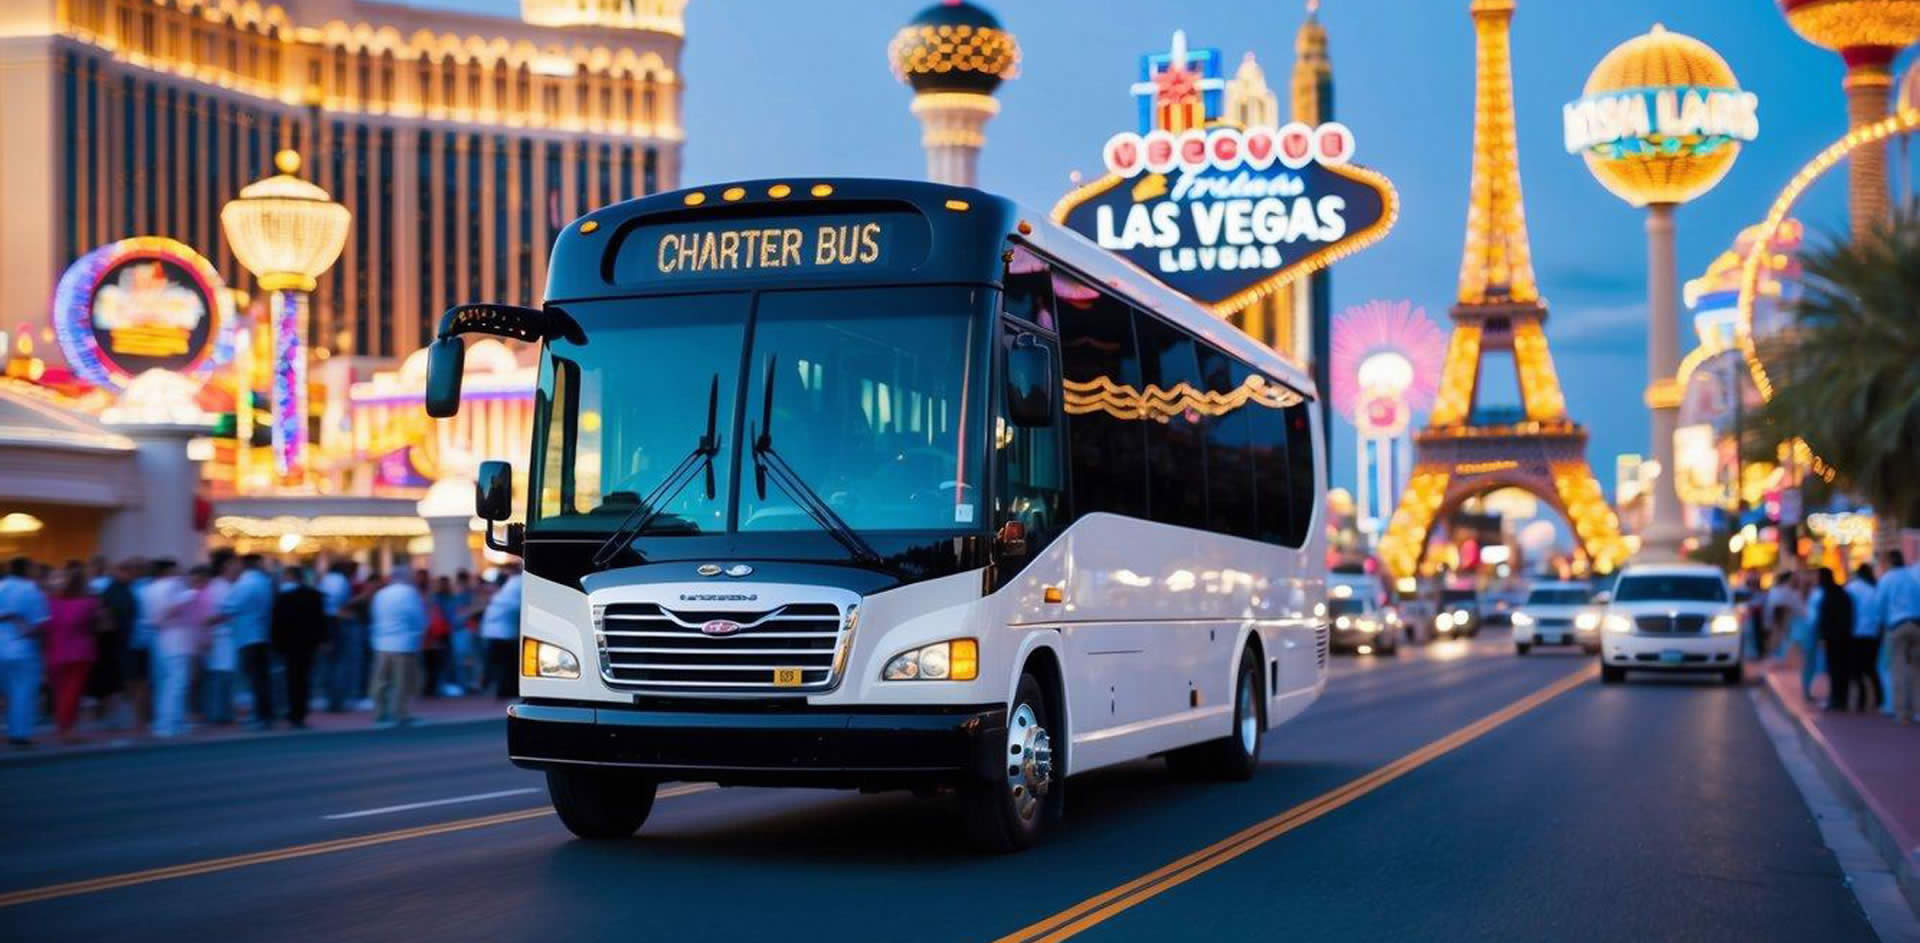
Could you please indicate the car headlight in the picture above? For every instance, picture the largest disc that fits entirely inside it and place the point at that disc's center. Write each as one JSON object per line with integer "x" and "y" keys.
{"x": 1725, "y": 623}
{"x": 1586, "y": 621}
{"x": 1342, "y": 622}
{"x": 1369, "y": 625}
{"x": 1443, "y": 621}
{"x": 543, "y": 660}
{"x": 1393, "y": 618}
{"x": 956, "y": 660}
{"x": 1522, "y": 619}
{"x": 1617, "y": 623}
{"x": 1460, "y": 617}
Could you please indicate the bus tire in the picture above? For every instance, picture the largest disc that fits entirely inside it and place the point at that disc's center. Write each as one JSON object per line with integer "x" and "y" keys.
{"x": 1010, "y": 812}
{"x": 600, "y": 805}
{"x": 1236, "y": 756}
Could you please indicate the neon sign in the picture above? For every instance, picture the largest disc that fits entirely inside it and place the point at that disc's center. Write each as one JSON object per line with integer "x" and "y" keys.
{"x": 1649, "y": 121}
{"x": 1220, "y": 213}
{"x": 147, "y": 303}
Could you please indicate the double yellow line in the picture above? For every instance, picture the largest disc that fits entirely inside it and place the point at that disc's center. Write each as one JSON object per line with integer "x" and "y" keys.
{"x": 1096, "y": 909}
{"x": 211, "y": 865}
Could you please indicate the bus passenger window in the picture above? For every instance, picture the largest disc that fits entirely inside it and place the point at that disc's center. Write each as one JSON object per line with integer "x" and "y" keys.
{"x": 1176, "y": 451}
{"x": 1301, "y": 456}
{"x": 1101, "y": 372}
{"x": 1029, "y": 293}
{"x": 1229, "y": 424}
{"x": 1272, "y": 493}
{"x": 1033, "y": 488}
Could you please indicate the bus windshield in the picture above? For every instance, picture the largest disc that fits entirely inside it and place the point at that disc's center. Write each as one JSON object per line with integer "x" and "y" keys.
{"x": 877, "y": 404}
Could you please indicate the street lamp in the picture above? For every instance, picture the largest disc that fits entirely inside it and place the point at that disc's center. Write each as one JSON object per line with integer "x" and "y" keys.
{"x": 1659, "y": 123}
{"x": 286, "y": 231}
{"x": 1867, "y": 34}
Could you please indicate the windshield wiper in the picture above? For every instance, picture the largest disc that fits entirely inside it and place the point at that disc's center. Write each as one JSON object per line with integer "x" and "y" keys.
{"x": 655, "y": 504}
{"x": 766, "y": 460}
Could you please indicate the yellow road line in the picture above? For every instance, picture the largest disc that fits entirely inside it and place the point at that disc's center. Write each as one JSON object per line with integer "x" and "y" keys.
{"x": 1096, "y": 909}
{"x": 113, "y": 882}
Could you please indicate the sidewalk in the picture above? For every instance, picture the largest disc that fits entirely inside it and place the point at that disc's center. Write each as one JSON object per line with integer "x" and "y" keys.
{"x": 95, "y": 738}
{"x": 1875, "y": 763}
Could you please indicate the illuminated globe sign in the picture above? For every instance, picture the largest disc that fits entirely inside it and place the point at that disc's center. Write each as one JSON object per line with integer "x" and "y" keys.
{"x": 141, "y": 304}
{"x": 1220, "y": 213}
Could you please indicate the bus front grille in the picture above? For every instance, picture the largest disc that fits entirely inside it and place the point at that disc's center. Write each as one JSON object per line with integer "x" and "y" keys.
{"x": 795, "y": 648}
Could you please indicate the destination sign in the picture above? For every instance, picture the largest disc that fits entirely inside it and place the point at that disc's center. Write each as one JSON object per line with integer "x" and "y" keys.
{"x": 798, "y": 245}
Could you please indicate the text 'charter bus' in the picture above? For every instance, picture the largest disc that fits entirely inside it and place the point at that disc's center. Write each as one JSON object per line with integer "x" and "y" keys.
{"x": 880, "y": 485}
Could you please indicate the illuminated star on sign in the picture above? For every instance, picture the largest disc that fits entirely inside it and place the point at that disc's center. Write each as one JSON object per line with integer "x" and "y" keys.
{"x": 1180, "y": 88}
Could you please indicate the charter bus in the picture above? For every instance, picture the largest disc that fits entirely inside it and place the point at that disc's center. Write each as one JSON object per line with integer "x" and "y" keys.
{"x": 888, "y": 485}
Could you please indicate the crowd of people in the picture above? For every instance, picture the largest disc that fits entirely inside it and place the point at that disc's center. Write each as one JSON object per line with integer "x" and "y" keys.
{"x": 153, "y": 646}
{"x": 1863, "y": 633}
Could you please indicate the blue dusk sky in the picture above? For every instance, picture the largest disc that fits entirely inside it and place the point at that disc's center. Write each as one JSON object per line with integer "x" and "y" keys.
{"x": 788, "y": 88}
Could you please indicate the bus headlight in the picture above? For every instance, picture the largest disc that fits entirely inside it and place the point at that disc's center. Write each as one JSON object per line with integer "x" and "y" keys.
{"x": 1617, "y": 624}
{"x": 541, "y": 660}
{"x": 1586, "y": 621}
{"x": 957, "y": 660}
{"x": 1725, "y": 623}
{"x": 1522, "y": 620}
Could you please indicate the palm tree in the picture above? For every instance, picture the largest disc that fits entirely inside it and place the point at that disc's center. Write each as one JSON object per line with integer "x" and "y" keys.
{"x": 1847, "y": 374}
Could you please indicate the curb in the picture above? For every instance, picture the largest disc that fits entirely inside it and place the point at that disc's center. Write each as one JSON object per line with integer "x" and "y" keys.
{"x": 151, "y": 744}
{"x": 1899, "y": 850}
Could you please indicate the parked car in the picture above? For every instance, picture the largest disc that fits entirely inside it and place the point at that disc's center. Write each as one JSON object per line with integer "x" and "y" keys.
{"x": 1670, "y": 617}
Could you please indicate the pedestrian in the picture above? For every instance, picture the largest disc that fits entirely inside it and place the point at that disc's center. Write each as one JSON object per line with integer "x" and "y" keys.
{"x": 126, "y": 678}
{"x": 459, "y": 605}
{"x": 1899, "y": 602}
{"x": 435, "y": 651}
{"x": 1863, "y": 654}
{"x": 500, "y": 626}
{"x": 299, "y": 628}
{"x": 23, "y": 618}
{"x": 336, "y": 589}
{"x": 75, "y": 620}
{"x": 446, "y": 616}
{"x": 399, "y": 628}
{"x": 1833, "y": 620}
{"x": 245, "y": 612}
{"x": 219, "y": 662}
{"x": 1786, "y": 603}
{"x": 172, "y": 603}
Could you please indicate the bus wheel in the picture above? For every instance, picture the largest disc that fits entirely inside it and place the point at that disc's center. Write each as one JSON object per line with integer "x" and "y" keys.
{"x": 600, "y": 804}
{"x": 1235, "y": 756}
{"x": 1009, "y": 812}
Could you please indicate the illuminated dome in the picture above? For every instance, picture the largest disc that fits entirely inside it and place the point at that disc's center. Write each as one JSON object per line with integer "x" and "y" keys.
{"x": 954, "y": 46}
{"x": 1655, "y": 167}
{"x": 1859, "y": 25}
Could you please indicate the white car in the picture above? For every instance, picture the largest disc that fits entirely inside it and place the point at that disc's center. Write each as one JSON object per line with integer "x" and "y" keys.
{"x": 1557, "y": 614}
{"x": 1670, "y": 617}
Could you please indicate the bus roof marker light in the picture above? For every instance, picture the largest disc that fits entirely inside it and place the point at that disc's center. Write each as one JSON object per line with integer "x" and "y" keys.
{"x": 694, "y": 199}
{"x": 822, "y": 189}
{"x": 959, "y": 206}
{"x": 732, "y": 194}
{"x": 1026, "y": 228}
{"x": 589, "y": 226}
{"x": 779, "y": 191}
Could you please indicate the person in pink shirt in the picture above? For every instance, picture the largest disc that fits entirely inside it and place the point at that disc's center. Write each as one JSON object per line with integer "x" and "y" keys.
{"x": 74, "y": 618}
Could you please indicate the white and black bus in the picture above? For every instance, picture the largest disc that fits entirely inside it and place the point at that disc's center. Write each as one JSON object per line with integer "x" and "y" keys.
{"x": 876, "y": 484}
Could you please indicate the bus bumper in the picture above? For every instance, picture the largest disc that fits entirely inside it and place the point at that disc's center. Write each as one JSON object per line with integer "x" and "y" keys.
{"x": 869, "y": 749}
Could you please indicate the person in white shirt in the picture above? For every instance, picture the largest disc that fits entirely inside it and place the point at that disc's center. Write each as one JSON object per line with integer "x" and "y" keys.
{"x": 173, "y": 605}
{"x": 500, "y": 627}
{"x": 399, "y": 628}
{"x": 1863, "y": 648}
{"x": 23, "y": 615}
{"x": 1785, "y": 604}
{"x": 244, "y": 614}
{"x": 220, "y": 662}
{"x": 1898, "y": 600}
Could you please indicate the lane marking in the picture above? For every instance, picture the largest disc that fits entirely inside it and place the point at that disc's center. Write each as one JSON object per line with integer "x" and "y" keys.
{"x": 1100, "y": 907}
{"x": 212, "y": 865}
{"x": 430, "y": 803}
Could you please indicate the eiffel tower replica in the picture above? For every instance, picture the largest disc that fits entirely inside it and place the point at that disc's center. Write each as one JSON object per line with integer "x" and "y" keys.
{"x": 1464, "y": 451}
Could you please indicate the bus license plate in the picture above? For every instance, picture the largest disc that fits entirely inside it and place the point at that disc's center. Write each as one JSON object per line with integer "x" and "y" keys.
{"x": 786, "y": 677}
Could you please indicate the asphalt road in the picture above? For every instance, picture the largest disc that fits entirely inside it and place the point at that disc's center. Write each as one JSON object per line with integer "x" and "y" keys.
{"x": 1442, "y": 795}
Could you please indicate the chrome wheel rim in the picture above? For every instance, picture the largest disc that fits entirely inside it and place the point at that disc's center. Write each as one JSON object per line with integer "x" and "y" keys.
{"x": 1029, "y": 762}
{"x": 1249, "y": 719}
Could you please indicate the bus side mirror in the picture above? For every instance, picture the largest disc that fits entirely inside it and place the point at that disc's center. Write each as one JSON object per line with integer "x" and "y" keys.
{"x": 493, "y": 491}
{"x": 446, "y": 362}
{"x": 1030, "y": 384}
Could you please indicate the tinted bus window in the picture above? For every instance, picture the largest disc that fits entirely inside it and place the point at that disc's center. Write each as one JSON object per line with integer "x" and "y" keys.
{"x": 1300, "y": 482}
{"x": 1029, "y": 294}
{"x": 1176, "y": 450}
{"x": 1099, "y": 360}
{"x": 1231, "y": 498}
{"x": 1273, "y": 494}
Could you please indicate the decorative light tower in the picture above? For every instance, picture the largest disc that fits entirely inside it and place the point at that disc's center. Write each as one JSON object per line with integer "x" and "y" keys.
{"x": 954, "y": 55}
{"x": 287, "y": 231}
{"x": 1660, "y": 123}
{"x": 1386, "y": 363}
{"x": 1867, "y": 34}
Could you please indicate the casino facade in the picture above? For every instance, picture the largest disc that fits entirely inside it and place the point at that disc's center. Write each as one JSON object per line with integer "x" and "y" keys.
{"x": 460, "y": 144}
